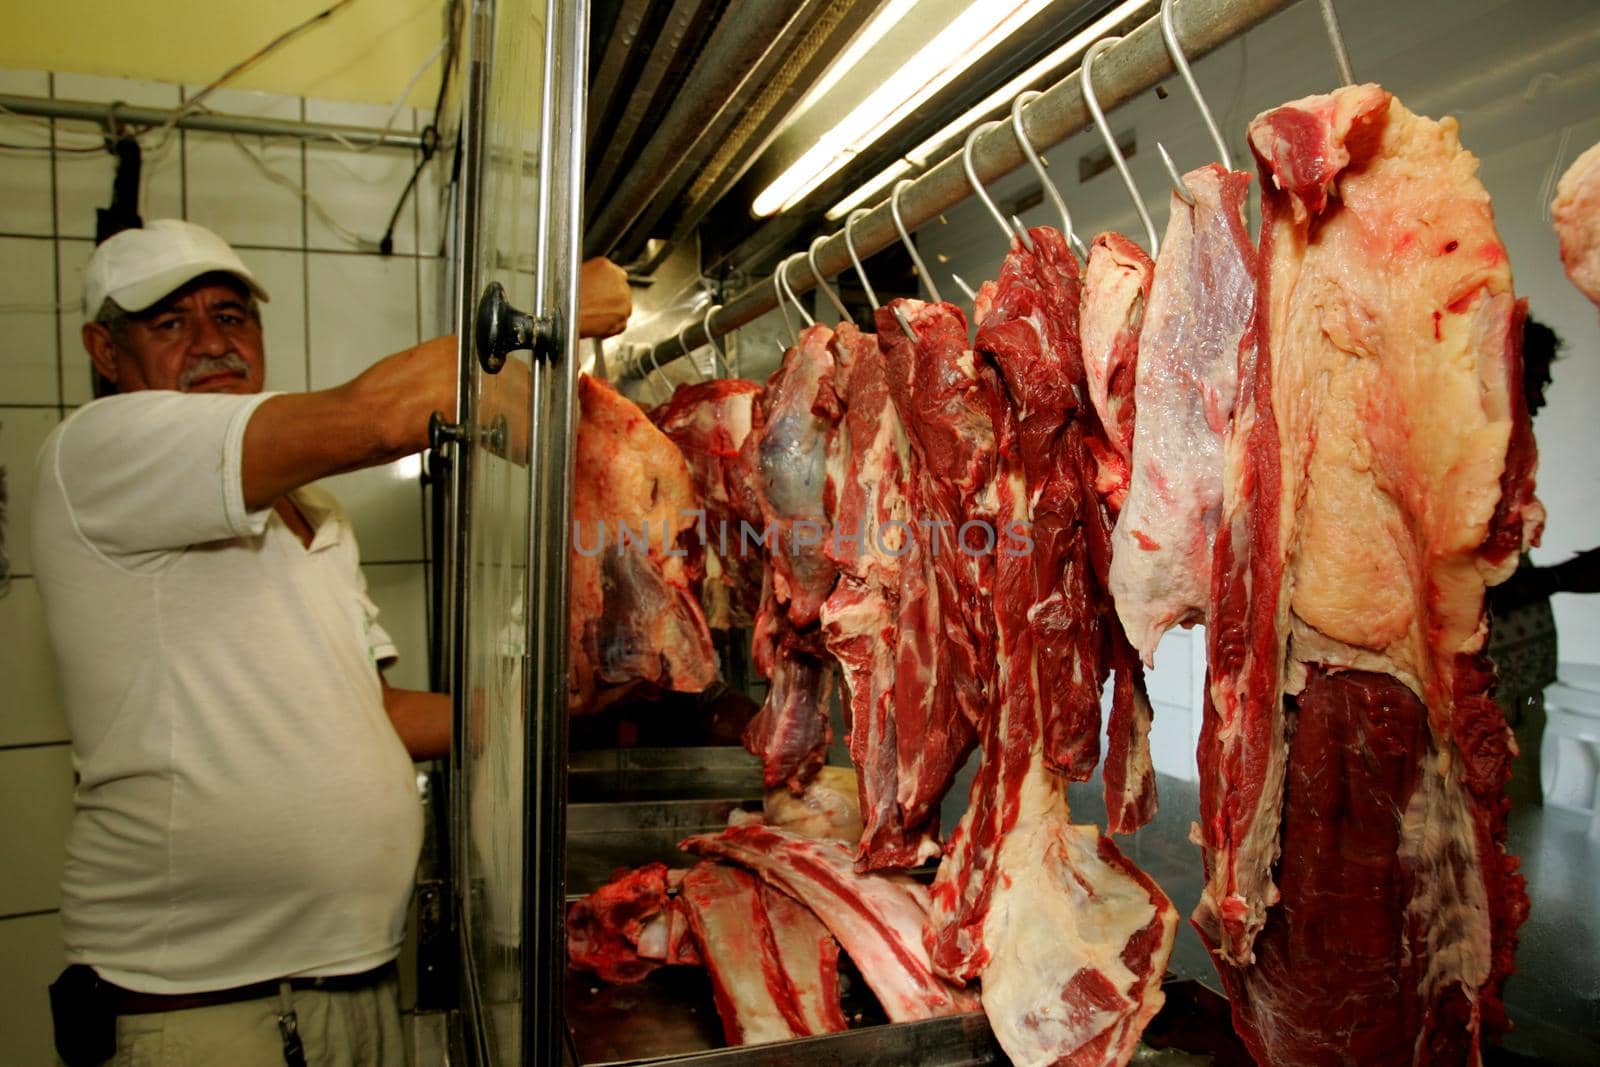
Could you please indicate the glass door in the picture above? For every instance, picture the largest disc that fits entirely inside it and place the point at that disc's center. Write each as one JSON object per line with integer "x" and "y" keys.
{"x": 516, "y": 230}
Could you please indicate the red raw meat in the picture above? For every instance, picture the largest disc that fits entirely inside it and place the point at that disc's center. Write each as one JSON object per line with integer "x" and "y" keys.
{"x": 861, "y": 618}
{"x": 1028, "y": 327}
{"x": 773, "y": 972}
{"x": 1116, "y": 289}
{"x": 1360, "y": 903}
{"x": 876, "y": 917}
{"x": 782, "y": 496}
{"x": 1069, "y": 939}
{"x": 634, "y": 618}
{"x": 709, "y": 422}
{"x": 628, "y": 927}
{"x": 1199, "y": 317}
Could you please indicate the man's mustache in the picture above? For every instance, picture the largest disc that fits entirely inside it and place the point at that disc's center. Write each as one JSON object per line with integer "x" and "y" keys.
{"x": 210, "y": 365}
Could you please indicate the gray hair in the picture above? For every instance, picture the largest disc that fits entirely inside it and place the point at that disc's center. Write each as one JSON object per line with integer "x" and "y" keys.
{"x": 115, "y": 319}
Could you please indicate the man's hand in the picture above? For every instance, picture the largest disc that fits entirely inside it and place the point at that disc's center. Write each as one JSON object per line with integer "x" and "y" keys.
{"x": 604, "y": 300}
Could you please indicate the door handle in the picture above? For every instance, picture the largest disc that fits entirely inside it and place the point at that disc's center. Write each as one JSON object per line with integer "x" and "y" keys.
{"x": 501, "y": 329}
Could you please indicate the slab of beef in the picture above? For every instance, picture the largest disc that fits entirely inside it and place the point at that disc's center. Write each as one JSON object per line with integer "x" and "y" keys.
{"x": 635, "y": 618}
{"x": 944, "y": 662}
{"x": 877, "y": 917}
{"x": 782, "y": 495}
{"x": 630, "y": 926}
{"x": 1068, "y": 938}
{"x": 774, "y": 968}
{"x": 1116, "y": 288}
{"x": 1028, "y": 329}
{"x": 1201, "y": 313}
{"x": 1360, "y": 902}
{"x": 709, "y": 422}
{"x": 861, "y": 619}
{"x": 1576, "y": 213}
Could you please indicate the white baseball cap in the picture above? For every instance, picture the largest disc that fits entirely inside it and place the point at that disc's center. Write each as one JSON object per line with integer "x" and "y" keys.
{"x": 136, "y": 268}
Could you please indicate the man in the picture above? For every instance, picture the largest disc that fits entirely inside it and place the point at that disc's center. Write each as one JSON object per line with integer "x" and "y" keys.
{"x": 246, "y": 820}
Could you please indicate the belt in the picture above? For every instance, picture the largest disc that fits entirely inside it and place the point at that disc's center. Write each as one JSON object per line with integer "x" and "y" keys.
{"x": 130, "y": 1002}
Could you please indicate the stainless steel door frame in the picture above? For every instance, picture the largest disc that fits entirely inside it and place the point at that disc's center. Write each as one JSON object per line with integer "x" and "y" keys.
{"x": 557, "y": 253}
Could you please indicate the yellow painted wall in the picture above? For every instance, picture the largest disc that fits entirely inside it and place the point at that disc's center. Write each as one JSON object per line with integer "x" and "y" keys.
{"x": 367, "y": 51}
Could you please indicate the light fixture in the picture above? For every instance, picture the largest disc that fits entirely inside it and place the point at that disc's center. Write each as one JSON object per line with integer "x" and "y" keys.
{"x": 969, "y": 37}
{"x": 925, "y": 152}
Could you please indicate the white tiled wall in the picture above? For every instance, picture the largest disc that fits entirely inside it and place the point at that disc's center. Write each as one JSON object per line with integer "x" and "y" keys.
{"x": 336, "y": 306}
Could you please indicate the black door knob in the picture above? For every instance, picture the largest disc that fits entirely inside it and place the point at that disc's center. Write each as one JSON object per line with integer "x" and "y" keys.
{"x": 501, "y": 329}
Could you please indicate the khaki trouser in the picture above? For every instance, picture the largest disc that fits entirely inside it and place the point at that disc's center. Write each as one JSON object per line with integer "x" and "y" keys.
{"x": 360, "y": 1028}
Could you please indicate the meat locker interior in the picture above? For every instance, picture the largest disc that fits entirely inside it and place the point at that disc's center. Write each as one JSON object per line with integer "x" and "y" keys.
{"x": 1026, "y": 585}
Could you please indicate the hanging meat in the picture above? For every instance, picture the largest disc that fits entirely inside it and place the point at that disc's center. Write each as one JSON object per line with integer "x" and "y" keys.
{"x": 709, "y": 422}
{"x": 861, "y": 619}
{"x": 1576, "y": 212}
{"x": 635, "y": 618}
{"x": 781, "y": 494}
{"x": 1360, "y": 901}
{"x": 1116, "y": 288}
{"x": 1069, "y": 939}
{"x": 1199, "y": 315}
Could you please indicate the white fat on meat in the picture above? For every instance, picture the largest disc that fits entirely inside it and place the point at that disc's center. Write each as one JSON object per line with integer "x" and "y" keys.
{"x": 827, "y": 807}
{"x": 1576, "y": 213}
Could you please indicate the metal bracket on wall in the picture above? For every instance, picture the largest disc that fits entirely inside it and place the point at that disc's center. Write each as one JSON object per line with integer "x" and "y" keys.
{"x": 502, "y": 329}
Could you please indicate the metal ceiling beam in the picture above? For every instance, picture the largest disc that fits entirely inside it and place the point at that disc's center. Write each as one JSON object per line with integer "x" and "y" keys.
{"x": 1136, "y": 64}
{"x": 744, "y": 37}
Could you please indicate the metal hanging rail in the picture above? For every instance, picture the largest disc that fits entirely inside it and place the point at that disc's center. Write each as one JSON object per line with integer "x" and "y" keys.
{"x": 104, "y": 115}
{"x": 1127, "y": 69}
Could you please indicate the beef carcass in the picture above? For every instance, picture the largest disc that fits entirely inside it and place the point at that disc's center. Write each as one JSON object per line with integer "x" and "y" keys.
{"x": 861, "y": 619}
{"x": 1576, "y": 213}
{"x": 774, "y": 969}
{"x": 782, "y": 498}
{"x": 877, "y": 917}
{"x": 1069, "y": 940}
{"x": 1028, "y": 328}
{"x": 944, "y": 661}
{"x": 1116, "y": 288}
{"x": 1379, "y": 473}
{"x": 634, "y": 618}
{"x": 709, "y": 422}
{"x": 1199, "y": 316}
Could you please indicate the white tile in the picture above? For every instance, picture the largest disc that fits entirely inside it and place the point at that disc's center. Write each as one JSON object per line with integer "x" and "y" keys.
{"x": 1170, "y": 679}
{"x": 357, "y": 190}
{"x": 36, "y": 795}
{"x": 361, "y": 308}
{"x": 72, "y": 258}
{"x": 433, "y": 301}
{"x": 33, "y": 702}
{"x": 25, "y": 176}
{"x": 385, "y": 506}
{"x": 231, "y": 188}
{"x": 400, "y": 591}
{"x": 1172, "y": 748}
{"x": 32, "y": 950}
{"x": 27, "y": 319}
{"x": 283, "y": 318}
{"x": 83, "y": 180}
{"x": 22, "y": 431}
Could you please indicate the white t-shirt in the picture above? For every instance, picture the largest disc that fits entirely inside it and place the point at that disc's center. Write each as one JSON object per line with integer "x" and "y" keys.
{"x": 245, "y": 810}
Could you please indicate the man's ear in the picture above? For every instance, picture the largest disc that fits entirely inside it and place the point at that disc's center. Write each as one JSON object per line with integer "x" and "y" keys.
{"x": 102, "y": 349}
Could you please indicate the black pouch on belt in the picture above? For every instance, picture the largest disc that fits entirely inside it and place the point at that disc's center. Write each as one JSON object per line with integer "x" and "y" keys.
{"x": 85, "y": 1017}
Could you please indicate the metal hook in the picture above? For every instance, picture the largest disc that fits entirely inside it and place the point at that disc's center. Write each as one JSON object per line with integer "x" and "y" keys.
{"x": 905, "y": 325}
{"x": 833, "y": 297}
{"x": 1341, "y": 57}
{"x": 684, "y": 347}
{"x": 655, "y": 370}
{"x": 961, "y": 283}
{"x": 719, "y": 358}
{"x": 1086, "y": 81}
{"x": 1045, "y": 180}
{"x": 1169, "y": 34}
{"x": 850, "y": 246}
{"x": 783, "y": 275}
{"x": 783, "y": 309}
{"x": 1021, "y": 232}
{"x": 905, "y": 238}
